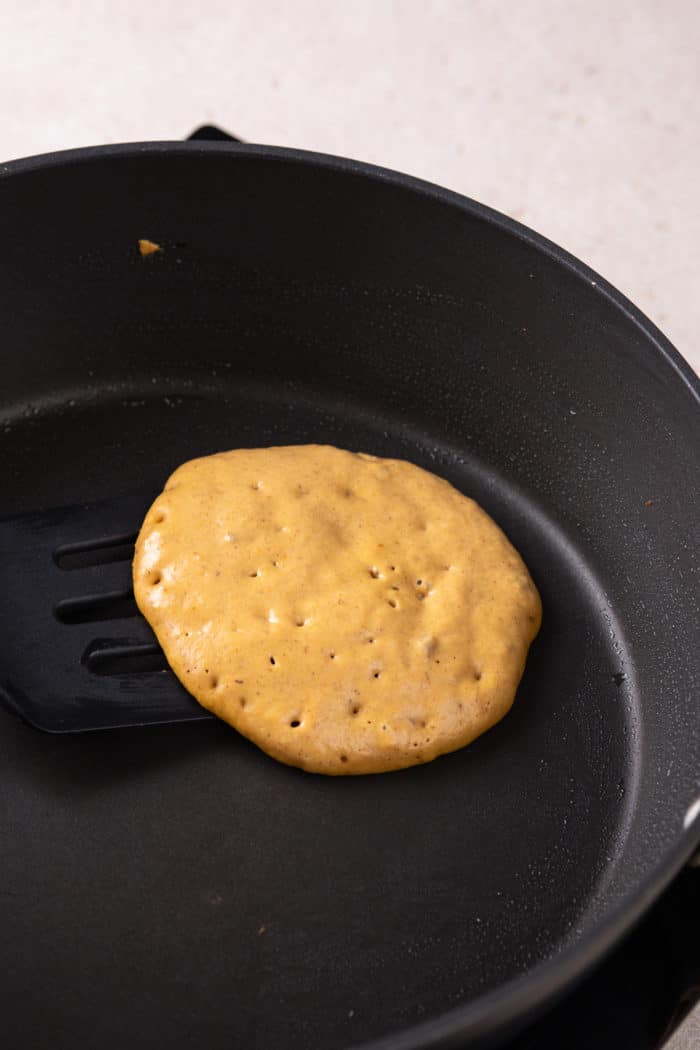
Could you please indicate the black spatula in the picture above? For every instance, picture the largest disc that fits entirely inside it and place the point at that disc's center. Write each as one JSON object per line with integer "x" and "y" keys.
{"x": 78, "y": 655}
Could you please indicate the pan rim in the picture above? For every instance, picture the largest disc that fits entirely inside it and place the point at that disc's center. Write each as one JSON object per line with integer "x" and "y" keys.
{"x": 83, "y": 154}
{"x": 511, "y": 1005}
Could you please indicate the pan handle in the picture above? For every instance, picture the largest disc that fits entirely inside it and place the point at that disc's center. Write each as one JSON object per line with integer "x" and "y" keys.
{"x": 683, "y": 993}
{"x": 210, "y": 133}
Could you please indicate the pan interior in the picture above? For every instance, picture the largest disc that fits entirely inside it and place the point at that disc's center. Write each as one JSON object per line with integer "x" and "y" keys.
{"x": 273, "y": 907}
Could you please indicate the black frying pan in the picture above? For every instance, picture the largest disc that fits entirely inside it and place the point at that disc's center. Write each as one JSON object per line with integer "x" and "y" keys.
{"x": 173, "y": 886}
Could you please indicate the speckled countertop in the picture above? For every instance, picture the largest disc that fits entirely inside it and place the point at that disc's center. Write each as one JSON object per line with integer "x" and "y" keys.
{"x": 579, "y": 119}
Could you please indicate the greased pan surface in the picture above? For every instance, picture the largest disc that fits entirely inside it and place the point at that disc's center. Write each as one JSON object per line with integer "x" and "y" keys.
{"x": 175, "y": 885}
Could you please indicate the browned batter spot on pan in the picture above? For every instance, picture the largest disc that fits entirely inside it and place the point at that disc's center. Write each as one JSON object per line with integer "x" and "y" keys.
{"x": 147, "y": 247}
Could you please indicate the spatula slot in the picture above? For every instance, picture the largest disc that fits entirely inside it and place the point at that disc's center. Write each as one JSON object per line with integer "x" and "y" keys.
{"x": 114, "y": 605}
{"x": 106, "y": 659}
{"x": 95, "y": 552}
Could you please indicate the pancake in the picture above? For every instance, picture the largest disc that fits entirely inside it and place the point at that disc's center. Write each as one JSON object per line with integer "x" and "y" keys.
{"x": 346, "y": 613}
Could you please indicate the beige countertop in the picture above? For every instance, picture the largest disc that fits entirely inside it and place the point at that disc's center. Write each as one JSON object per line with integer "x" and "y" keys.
{"x": 580, "y": 119}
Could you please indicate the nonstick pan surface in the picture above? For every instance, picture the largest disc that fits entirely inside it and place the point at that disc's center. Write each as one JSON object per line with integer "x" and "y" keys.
{"x": 174, "y": 886}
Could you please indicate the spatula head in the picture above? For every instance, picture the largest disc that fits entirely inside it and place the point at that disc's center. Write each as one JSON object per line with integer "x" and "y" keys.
{"x": 78, "y": 655}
